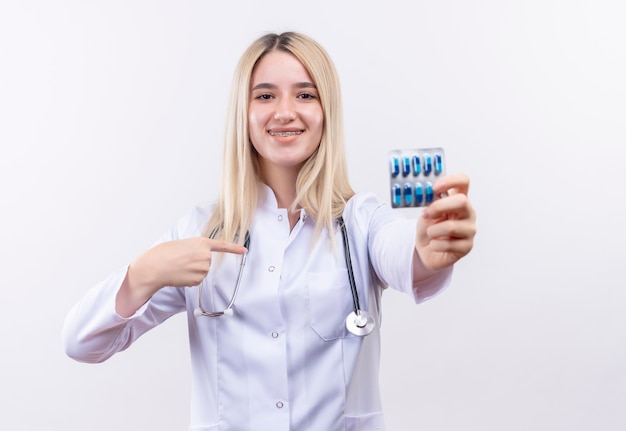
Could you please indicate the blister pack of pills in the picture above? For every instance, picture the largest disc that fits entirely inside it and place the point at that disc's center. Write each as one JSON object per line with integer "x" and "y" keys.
{"x": 412, "y": 174}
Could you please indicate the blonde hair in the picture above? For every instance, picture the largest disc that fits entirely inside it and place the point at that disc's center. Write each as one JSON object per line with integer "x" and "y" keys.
{"x": 322, "y": 186}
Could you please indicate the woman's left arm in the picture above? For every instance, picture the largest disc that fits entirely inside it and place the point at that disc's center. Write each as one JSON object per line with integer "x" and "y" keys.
{"x": 446, "y": 229}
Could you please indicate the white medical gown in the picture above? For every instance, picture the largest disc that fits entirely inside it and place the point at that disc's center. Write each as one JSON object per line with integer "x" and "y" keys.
{"x": 284, "y": 360}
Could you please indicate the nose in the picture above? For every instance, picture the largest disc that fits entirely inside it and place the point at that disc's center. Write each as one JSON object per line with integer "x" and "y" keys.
{"x": 285, "y": 112}
{"x": 284, "y": 116}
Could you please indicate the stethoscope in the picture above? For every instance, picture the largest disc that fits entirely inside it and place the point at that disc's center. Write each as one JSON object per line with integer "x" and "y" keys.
{"x": 358, "y": 322}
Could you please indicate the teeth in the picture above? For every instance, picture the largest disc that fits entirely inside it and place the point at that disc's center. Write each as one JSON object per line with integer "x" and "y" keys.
{"x": 285, "y": 133}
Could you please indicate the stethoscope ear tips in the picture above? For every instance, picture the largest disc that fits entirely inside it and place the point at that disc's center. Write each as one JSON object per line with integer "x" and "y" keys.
{"x": 360, "y": 324}
{"x": 197, "y": 312}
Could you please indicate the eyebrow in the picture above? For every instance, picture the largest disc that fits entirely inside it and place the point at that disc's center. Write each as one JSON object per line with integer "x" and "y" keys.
{"x": 267, "y": 86}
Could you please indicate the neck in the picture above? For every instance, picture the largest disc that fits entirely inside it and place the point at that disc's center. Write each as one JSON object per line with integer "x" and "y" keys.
{"x": 283, "y": 184}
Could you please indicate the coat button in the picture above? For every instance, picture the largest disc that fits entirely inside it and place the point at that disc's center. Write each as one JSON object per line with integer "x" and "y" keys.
{"x": 271, "y": 268}
{"x": 280, "y": 217}
{"x": 279, "y": 404}
{"x": 274, "y": 334}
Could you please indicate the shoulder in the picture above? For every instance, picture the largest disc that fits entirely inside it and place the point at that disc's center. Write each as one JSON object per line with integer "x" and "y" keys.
{"x": 363, "y": 199}
{"x": 365, "y": 205}
{"x": 361, "y": 209}
{"x": 368, "y": 213}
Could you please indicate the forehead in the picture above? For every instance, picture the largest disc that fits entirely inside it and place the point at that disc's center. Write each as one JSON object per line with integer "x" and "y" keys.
{"x": 279, "y": 66}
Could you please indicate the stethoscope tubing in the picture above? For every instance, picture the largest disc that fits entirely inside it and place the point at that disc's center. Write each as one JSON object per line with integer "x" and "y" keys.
{"x": 228, "y": 311}
{"x": 346, "y": 247}
{"x": 358, "y": 322}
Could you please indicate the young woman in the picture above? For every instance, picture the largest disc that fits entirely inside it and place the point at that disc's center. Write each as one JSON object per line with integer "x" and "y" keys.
{"x": 300, "y": 349}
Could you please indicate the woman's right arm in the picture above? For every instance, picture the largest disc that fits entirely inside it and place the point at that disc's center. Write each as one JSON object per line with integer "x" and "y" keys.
{"x": 93, "y": 331}
{"x": 131, "y": 301}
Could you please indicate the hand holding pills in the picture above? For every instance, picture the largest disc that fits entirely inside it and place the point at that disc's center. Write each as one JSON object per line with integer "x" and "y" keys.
{"x": 446, "y": 229}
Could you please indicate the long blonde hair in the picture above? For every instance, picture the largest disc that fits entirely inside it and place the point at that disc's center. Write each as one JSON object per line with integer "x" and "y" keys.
{"x": 322, "y": 186}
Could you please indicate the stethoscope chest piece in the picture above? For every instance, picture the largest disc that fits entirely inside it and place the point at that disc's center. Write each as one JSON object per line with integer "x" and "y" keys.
{"x": 360, "y": 324}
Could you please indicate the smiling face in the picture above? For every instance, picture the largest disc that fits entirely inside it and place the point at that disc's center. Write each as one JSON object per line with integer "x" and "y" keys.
{"x": 285, "y": 116}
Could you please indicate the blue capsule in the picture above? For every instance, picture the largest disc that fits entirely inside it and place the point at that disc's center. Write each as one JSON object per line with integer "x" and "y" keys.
{"x": 397, "y": 195}
{"x": 395, "y": 166}
{"x": 438, "y": 164}
{"x": 406, "y": 166}
{"x": 428, "y": 164}
{"x": 419, "y": 193}
{"x": 430, "y": 195}
{"x": 417, "y": 165}
{"x": 408, "y": 194}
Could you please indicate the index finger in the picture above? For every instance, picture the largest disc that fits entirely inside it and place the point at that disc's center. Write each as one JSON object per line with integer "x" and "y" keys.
{"x": 225, "y": 246}
{"x": 453, "y": 183}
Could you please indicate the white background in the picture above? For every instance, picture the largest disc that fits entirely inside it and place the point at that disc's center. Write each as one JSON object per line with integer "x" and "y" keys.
{"x": 111, "y": 120}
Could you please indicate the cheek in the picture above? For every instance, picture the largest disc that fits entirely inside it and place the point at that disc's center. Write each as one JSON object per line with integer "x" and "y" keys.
{"x": 314, "y": 117}
{"x": 259, "y": 114}
{"x": 256, "y": 124}
{"x": 253, "y": 119}
{"x": 319, "y": 122}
